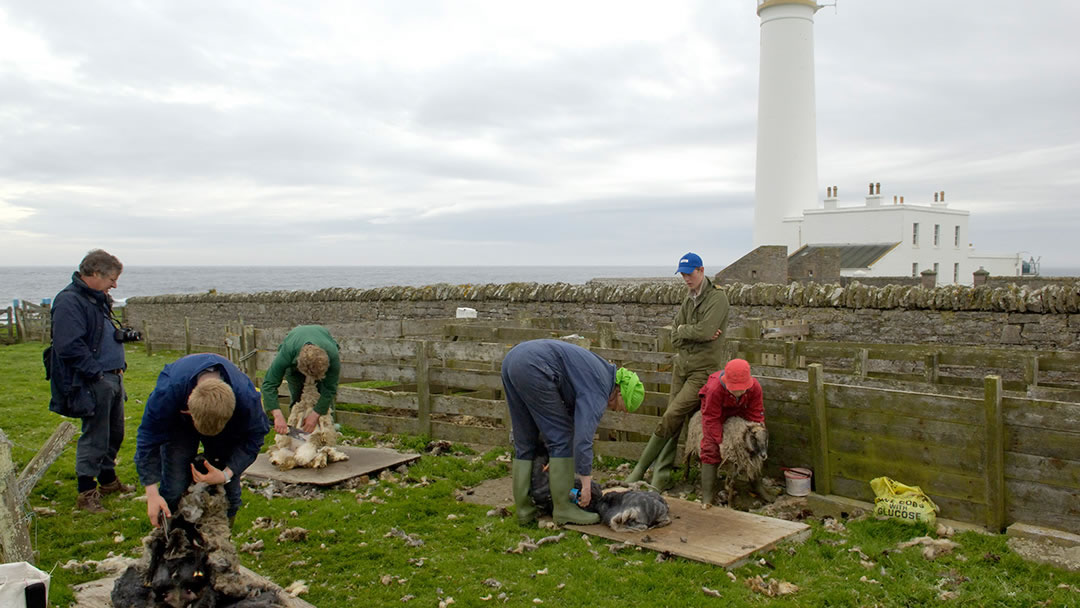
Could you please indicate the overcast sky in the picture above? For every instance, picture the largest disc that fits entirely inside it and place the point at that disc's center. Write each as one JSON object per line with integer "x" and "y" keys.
{"x": 421, "y": 132}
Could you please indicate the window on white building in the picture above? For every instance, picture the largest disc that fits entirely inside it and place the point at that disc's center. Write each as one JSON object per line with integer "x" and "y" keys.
{"x": 956, "y": 236}
{"x": 915, "y": 233}
{"x": 935, "y": 268}
{"x": 937, "y": 234}
{"x": 915, "y": 267}
{"x": 956, "y": 272}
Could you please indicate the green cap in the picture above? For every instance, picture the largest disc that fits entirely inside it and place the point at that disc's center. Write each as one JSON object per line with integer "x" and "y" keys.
{"x": 633, "y": 391}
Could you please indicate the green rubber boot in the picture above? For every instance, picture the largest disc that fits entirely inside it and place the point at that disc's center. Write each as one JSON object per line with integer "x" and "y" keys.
{"x": 708, "y": 483}
{"x": 656, "y": 443}
{"x": 664, "y": 465}
{"x": 522, "y": 475}
{"x": 563, "y": 511}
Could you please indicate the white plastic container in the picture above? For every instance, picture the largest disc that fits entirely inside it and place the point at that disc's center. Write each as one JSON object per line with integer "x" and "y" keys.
{"x": 15, "y": 578}
{"x": 466, "y": 313}
{"x": 797, "y": 480}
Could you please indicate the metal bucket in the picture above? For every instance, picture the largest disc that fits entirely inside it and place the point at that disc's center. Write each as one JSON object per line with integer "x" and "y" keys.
{"x": 797, "y": 480}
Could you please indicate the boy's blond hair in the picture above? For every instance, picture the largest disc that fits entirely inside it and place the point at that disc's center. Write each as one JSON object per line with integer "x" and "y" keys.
{"x": 211, "y": 404}
{"x": 313, "y": 362}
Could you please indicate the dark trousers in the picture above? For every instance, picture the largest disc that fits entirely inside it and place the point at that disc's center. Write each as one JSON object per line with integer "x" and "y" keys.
{"x": 537, "y": 412}
{"x": 103, "y": 432}
{"x": 178, "y": 454}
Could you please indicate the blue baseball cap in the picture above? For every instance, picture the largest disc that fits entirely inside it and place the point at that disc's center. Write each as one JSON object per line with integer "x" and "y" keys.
{"x": 689, "y": 263}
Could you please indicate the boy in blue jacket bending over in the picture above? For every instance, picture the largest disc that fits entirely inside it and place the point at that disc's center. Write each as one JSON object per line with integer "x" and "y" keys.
{"x": 203, "y": 399}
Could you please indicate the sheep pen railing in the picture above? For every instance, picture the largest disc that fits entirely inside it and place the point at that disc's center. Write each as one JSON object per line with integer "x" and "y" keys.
{"x": 989, "y": 457}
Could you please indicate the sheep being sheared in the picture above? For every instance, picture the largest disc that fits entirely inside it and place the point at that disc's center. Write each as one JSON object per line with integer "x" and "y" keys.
{"x": 621, "y": 511}
{"x": 744, "y": 450}
{"x": 194, "y": 564}
{"x": 317, "y": 450}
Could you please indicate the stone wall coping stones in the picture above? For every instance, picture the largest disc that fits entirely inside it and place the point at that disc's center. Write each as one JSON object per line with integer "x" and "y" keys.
{"x": 1049, "y": 299}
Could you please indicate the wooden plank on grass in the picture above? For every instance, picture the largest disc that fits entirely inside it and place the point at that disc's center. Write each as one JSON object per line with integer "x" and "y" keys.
{"x": 362, "y": 461}
{"x": 720, "y": 536}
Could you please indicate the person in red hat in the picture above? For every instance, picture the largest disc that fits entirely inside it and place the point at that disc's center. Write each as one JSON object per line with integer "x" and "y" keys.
{"x": 729, "y": 392}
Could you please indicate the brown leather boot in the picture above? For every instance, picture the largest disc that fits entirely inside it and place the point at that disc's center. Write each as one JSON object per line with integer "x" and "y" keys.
{"x": 115, "y": 486}
{"x": 90, "y": 501}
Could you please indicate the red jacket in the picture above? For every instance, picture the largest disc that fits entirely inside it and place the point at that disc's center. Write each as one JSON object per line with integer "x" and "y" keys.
{"x": 718, "y": 404}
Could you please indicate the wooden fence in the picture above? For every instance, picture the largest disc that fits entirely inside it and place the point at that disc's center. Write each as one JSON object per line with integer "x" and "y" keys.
{"x": 7, "y": 322}
{"x": 988, "y": 456}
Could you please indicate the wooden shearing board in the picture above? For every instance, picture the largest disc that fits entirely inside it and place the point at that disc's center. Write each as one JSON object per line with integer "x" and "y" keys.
{"x": 362, "y": 461}
{"x": 720, "y": 536}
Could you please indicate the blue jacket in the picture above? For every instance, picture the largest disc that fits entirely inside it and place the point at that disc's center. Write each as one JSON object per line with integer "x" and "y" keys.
{"x": 583, "y": 379}
{"x": 239, "y": 442}
{"x": 71, "y": 364}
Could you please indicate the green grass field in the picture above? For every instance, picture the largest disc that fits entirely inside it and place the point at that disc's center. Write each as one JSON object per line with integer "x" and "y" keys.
{"x": 348, "y": 559}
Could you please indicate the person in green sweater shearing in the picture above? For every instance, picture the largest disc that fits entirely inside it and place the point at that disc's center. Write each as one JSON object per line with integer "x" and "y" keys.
{"x": 308, "y": 351}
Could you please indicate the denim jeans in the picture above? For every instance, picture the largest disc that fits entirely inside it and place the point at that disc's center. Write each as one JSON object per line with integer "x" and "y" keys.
{"x": 178, "y": 454}
{"x": 103, "y": 432}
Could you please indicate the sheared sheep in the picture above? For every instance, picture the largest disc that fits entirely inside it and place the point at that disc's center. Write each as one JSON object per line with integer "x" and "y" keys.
{"x": 317, "y": 451}
{"x": 744, "y": 450}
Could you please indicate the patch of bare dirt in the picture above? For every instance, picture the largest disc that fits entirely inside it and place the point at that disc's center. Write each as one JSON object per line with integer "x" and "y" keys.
{"x": 1046, "y": 552}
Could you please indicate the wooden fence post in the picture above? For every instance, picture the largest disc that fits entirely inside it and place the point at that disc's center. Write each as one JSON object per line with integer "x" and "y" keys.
{"x": 791, "y": 356}
{"x": 995, "y": 456}
{"x": 146, "y": 337}
{"x": 47, "y": 455}
{"x": 14, "y": 535}
{"x": 11, "y": 324}
{"x": 753, "y": 332}
{"x": 1031, "y": 371}
{"x": 423, "y": 389}
{"x": 606, "y": 333}
{"x": 861, "y": 361}
{"x": 819, "y": 430}
{"x": 20, "y": 325}
{"x": 930, "y": 365}
{"x": 187, "y": 335}
{"x": 250, "y": 353}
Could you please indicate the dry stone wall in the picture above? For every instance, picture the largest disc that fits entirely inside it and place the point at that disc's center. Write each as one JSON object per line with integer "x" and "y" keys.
{"x": 1046, "y": 317}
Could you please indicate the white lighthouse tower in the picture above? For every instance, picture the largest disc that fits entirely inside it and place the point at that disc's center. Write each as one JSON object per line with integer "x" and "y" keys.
{"x": 786, "y": 123}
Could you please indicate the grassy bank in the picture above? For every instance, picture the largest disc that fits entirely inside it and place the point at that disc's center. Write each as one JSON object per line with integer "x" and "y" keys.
{"x": 350, "y": 557}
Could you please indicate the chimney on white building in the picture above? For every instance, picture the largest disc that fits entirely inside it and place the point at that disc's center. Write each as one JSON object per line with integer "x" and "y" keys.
{"x": 830, "y": 197}
{"x": 786, "y": 183}
{"x": 874, "y": 198}
{"x": 939, "y": 199}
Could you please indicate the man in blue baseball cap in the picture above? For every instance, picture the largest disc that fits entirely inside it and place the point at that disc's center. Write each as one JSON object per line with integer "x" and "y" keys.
{"x": 696, "y": 335}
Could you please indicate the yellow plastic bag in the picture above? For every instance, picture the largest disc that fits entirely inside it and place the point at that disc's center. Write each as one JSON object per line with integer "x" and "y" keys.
{"x": 903, "y": 502}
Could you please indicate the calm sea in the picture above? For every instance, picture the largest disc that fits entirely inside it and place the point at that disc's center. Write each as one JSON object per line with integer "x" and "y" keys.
{"x": 34, "y": 283}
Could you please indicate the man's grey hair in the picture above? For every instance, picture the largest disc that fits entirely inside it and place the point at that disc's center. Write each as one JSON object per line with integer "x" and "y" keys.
{"x": 100, "y": 262}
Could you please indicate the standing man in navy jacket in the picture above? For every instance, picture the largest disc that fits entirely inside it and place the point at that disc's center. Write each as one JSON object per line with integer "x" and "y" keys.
{"x": 203, "y": 399}
{"x": 85, "y": 366}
